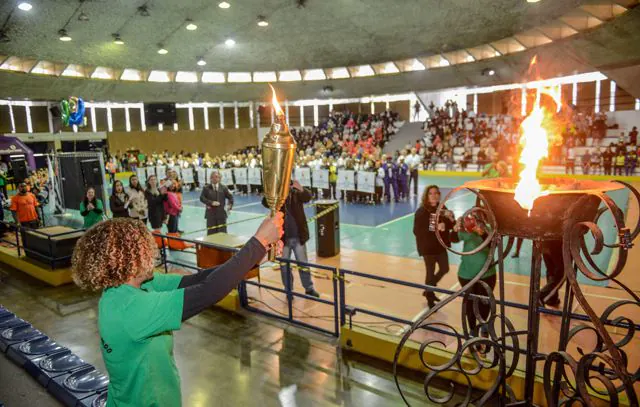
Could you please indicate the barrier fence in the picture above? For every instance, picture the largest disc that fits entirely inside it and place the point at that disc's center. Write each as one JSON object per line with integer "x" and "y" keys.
{"x": 342, "y": 313}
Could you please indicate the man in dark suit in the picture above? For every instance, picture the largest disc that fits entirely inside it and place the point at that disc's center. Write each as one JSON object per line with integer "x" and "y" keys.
{"x": 296, "y": 236}
{"x": 215, "y": 196}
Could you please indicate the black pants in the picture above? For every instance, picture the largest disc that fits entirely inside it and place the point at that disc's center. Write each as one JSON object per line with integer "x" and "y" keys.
{"x": 554, "y": 262}
{"x": 332, "y": 187}
{"x": 216, "y": 222}
{"x": 618, "y": 169}
{"x": 433, "y": 277}
{"x": 414, "y": 180}
{"x": 607, "y": 169}
{"x": 483, "y": 306}
{"x": 172, "y": 225}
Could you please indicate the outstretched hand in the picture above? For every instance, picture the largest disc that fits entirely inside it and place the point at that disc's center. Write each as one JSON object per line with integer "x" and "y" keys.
{"x": 271, "y": 229}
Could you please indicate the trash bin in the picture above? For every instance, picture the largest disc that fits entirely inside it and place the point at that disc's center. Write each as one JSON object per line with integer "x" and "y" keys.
{"x": 327, "y": 229}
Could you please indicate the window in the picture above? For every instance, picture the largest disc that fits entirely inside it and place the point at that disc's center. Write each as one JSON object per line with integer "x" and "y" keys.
{"x": 239, "y": 77}
{"x": 189, "y": 77}
{"x": 159, "y": 76}
{"x": 213, "y": 77}
{"x": 131, "y": 75}
{"x": 290, "y": 76}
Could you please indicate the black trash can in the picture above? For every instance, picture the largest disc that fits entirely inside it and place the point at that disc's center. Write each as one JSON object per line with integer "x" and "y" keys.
{"x": 327, "y": 229}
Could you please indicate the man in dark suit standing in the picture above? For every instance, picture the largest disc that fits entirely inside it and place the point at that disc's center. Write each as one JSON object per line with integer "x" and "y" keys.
{"x": 215, "y": 196}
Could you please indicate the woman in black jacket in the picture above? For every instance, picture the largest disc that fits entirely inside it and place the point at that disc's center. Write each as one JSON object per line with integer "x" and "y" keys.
{"x": 119, "y": 201}
{"x": 155, "y": 199}
{"x": 424, "y": 228}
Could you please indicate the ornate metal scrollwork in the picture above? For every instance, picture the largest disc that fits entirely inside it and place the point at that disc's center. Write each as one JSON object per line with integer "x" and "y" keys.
{"x": 588, "y": 378}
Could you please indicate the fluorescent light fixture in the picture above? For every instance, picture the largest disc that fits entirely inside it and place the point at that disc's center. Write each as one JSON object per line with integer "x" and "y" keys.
{"x": 159, "y": 76}
{"x": 314, "y": 75}
{"x": 264, "y": 77}
{"x": 239, "y": 77}
{"x": 290, "y": 76}
{"x": 131, "y": 75}
{"x": 187, "y": 77}
{"x": 64, "y": 36}
{"x": 201, "y": 61}
{"x": 24, "y": 6}
{"x": 229, "y": 43}
{"x": 213, "y": 77}
{"x": 224, "y": 4}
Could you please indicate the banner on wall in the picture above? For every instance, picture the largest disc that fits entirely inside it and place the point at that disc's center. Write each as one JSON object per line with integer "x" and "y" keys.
{"x": 151, "y": 171}
{"x": 320, "y": 178}
{"x": 346, "y": 180}
{"x": 208, "y": 175}
{"x": 187, "y": 176}
{"x": 240, "y": 175}
{"x": 255, "y": 176}
{"x": 303, "y": 175}
{"x": 366, "y": 181}
{"x": 161, "y": 172}
{"x": 202, "y": 176}
{"x": 141, "y": 173}
{"x": 226, "y": 177}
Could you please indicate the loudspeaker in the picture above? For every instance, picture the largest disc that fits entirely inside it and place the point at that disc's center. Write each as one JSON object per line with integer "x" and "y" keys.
{"x": 52, "y": 245}
{"x": 327, "y": 230}
{"x": 20, "y": 170}
{"x": 155, "y": 113}
{"x": 91, "y": 173}
{"x": 55, "y": 111}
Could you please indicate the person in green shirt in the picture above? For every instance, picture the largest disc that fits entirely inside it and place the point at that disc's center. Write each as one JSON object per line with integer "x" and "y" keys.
{"x": 91, "y": 208}
{"x": 472, "y": 231}
{"x": 139, "y": 309}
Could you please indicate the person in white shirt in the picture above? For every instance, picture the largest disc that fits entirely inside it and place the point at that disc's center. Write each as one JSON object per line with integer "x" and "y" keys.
{"x": 413, "y": 161}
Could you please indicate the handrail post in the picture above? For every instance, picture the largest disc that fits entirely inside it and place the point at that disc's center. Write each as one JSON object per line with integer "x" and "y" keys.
{"x": 343, "y": 296}
{"x": 18, "y": 238}
{"x": 336, "y": 317}
{"x": 288, "y": 282}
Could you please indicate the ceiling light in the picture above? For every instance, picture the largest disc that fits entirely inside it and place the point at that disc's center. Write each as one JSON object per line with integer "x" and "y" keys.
{"x": 488, "y": 72}
{"x": 117, "y": 39}
{"x": 63, "y": 35}
{"x": 491, "y": 72}
{"x": 229, "y": 43}
{"x": 190, "y": 26}
{"x": 24, "y": 6}
{"x": 83, "y": 16}
{"x": 224, "y": 4}
{"x": 162, "y": 50}
{"x": 262, "y": 21}
{"x": 201, "y": 61}
{"x": 532, "y": 1}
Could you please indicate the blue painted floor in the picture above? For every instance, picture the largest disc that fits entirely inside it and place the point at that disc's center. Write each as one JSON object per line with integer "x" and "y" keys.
{"x": 386, "y": 228}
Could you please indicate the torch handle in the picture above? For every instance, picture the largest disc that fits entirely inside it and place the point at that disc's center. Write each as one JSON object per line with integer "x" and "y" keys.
{"x": 274, "y": 247}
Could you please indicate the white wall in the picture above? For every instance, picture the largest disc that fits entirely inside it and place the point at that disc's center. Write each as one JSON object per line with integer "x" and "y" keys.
{"x": 625, "y": 119}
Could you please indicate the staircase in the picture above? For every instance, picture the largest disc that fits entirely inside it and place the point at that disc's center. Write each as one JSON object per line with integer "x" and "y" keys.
{"x": 407, "y": 134}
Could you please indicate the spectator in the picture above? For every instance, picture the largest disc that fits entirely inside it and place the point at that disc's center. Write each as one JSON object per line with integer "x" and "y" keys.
{"x": 23, "y": 208}
{"x": 633, "y": 136}
{"x": 630, "y": 162}
{"x": 586, "y": 162}
{"x": 91, "y": 208}
{"x": 607, "y": 160}
{"x": 215, "y": 197}
{"x": 137, "y": 201}
{"x": 119, "y": 201}
{"x": 570, "y": 163}
{"x": 155, "y": 201}
{"x": 432, "y": 252}
{"x": 619, "y": 163}
{"x": 172, "y": 206}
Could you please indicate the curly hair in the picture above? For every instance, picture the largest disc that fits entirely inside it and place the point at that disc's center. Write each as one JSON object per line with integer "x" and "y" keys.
{"x": 112, "y": 252}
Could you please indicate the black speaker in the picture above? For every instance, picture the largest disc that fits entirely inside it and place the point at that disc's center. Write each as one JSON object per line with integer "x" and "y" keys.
{"x": 155, "y": 113}
{"x": 327, "y": 229}
{"x": 55, "y": 111}
{"x": 56, "y": 251}
{"x": 20, "y": 170}
{"x": 91, "y": 173}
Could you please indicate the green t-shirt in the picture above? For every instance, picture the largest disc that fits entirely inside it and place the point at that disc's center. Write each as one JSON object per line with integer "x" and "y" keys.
{"x": 471, "y": 265}
{"x": 92, "y": 217}
{"x": 493, "y": 172}
{"x": 137, "y": 343}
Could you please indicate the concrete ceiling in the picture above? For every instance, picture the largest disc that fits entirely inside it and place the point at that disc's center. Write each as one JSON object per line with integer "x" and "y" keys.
{"x": 611, "y": 48}
{"x": 323, "y": 34}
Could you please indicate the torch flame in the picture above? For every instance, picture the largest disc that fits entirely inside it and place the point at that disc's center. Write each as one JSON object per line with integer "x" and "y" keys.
{"x": 274, "y": 102}
{"x": 535, "y": 142}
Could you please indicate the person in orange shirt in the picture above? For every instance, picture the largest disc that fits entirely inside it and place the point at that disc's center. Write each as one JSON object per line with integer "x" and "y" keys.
{"x": 23, "y": 207}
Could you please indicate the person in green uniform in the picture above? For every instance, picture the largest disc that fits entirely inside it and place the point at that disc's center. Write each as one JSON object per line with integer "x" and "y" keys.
{"x": 472, "y": 231}
{"x": 139, "y": 309}
{"x": 91, "y": 208}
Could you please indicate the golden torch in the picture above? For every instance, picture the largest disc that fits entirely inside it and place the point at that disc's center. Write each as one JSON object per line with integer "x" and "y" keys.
{"x": 278, "y": 153}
